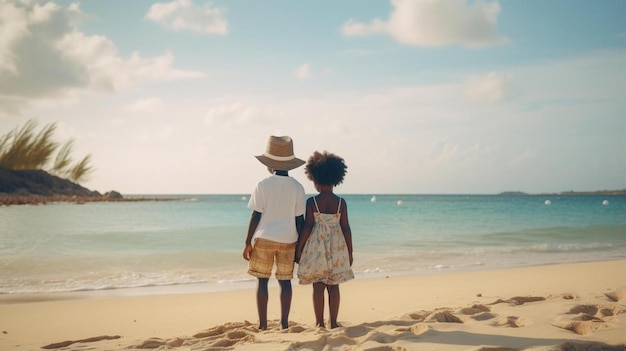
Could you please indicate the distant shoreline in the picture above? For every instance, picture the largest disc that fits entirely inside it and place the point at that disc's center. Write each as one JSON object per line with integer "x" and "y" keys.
{"x": 8, "y": 200}
{"x": 13, "y": 199}
{"x": 571, "y": 192}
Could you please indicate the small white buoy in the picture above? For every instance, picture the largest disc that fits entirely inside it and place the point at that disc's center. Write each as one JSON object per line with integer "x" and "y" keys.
{"x": 400, "y": 202}
{"x": 605, "y": 202}
{"x": 548, "y": 202}
{"x": 373, "y": 199}
{"x": 243, "y": 198}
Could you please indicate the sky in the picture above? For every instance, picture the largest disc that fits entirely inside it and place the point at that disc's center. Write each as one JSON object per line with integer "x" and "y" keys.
{"x": 418, "y": 96}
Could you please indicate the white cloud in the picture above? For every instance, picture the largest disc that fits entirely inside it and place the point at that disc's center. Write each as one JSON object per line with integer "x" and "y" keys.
{"x": 106, "y": 70}
{"x": 435, "y": 23}
{"x": 159, "y": 134}
{"x": 44, "y": 55}
{"x": 491, "y": 87}
{"x": 356, "y": 29}
{"x": 239, "y": 115}
{"x": 12, "y": 26}
{"x": 148, "y": 105}
{"x": 184, "y": 15}
{"x": 303, "y": 72}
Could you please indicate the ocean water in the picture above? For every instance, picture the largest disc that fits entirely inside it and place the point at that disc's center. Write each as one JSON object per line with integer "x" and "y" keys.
{"x": 197, "y": 243}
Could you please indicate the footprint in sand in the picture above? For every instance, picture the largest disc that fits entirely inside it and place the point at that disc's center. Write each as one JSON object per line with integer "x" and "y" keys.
{"x": 225, "y": 335}
{"x": 519, "y": 300}
{"x": 512, "y": 321}
{"x": 357, "y": 331}
{"x": 441, "y": 315}
{"x": 478, "y": 312}
{"x": 371, "y": 333}
{"x": 217, "y": 330}
{"x": 590, "y": 317}
{"x": 584, "y": 327}
{"x": 418, "y": 316}
{"x": 233, "y": 338}
{"x": 598, "y": 310}
{"x": 475, "y": 309}
{"x": 154, "y": 343}
{"x": 485, "y": 316}
{"x": 444, "y": 317}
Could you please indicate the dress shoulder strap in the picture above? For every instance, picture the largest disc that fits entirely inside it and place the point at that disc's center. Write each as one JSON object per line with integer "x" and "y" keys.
{"x": 316, "y": 207}
{"x": 339, "y": 207}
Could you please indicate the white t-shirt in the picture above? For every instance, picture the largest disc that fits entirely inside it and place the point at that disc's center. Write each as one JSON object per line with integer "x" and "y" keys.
{"x": 279, "y": 199}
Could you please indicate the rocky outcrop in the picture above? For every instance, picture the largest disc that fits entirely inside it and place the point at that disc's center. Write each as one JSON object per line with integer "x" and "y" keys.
{"x": 39, "y": 182}
{"x": 114, "y": 195}
{"x": 34, "y": 187}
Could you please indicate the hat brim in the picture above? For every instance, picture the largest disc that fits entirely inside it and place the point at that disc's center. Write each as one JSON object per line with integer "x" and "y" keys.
{"x": 280, "y": 165}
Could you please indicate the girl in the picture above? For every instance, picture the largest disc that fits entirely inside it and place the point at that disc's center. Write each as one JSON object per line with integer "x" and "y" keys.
{"x": 324, "y": 251}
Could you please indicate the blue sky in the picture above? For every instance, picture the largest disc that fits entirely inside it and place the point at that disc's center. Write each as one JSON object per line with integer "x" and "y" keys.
{"x": 418, "y": 96}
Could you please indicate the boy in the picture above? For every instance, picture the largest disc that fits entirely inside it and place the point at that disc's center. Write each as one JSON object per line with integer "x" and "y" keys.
{"x": 278, "y": 205}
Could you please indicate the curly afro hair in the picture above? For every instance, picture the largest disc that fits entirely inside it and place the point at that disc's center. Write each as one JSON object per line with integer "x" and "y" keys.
{"x": 325, "y": 168}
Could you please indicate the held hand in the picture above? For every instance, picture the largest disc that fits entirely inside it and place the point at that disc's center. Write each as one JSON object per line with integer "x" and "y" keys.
{"x": 351, "y": 260}
{"x": 298, "y": 255}
{"x": 247, "y": 252}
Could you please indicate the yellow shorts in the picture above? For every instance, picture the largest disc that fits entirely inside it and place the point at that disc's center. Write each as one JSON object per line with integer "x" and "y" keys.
{"x": 265, "y": 253}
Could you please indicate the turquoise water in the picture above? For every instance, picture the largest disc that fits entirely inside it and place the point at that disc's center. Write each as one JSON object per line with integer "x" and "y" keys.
{"x": 198, "y": 242}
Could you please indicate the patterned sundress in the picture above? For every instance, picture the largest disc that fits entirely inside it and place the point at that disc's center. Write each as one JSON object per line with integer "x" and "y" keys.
{"x": 325, "y": 257}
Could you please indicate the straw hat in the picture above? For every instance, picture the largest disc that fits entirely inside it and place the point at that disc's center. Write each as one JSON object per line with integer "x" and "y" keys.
{"x": 279, "y": 154}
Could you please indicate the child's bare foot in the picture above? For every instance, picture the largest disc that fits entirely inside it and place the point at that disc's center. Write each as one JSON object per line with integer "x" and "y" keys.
{"x": 321, "y": 325}
{"x": 335, "y": 325}
{"x": 284, "y": 324}
{"x": 263, "y": 326}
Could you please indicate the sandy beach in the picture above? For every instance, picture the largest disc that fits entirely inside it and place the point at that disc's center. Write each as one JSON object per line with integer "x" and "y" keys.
{"x": 554, "y": 307}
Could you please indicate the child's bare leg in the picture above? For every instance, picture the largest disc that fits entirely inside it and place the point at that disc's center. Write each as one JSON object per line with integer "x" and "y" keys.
{"x": 333, "y": 304}
{"x": 261, "y": 302}
{"x": 285, "y": 302}
{"x": 318, "y": 303}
